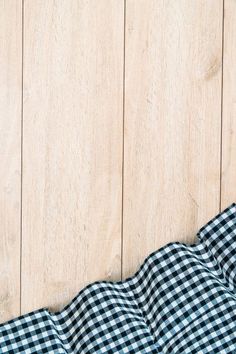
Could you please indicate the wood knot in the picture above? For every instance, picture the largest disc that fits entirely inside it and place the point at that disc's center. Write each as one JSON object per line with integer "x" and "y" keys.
{"x": 213, "y": 68}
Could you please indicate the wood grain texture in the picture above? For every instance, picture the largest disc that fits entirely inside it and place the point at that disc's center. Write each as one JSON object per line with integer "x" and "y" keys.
{"x": 228, "y": 194}
{"x": 72, "y": 166}
{"x": 10, "y": 155}
{"x": 174, "y": 177}
{"x": 172, "y": 122}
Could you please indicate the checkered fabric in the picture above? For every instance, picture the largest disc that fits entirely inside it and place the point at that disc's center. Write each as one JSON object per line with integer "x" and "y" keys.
{"x": 181, "y": 300}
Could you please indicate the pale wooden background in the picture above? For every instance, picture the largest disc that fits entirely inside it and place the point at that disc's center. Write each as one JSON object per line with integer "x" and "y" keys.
{"x": 117, "y": 135}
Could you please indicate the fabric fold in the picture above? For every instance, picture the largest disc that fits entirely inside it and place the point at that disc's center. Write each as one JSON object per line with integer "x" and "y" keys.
{"x": 181, "y": 300}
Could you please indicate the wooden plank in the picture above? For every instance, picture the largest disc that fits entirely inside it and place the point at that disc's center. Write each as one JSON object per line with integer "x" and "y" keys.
{"x": 172, "y": 122}
{"x": 72, "y": 168}
{"x": 10, "y": 155}
{"x": 228, "y": 194}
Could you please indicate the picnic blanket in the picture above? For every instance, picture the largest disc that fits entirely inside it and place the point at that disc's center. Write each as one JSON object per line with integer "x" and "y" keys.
{"x": 181, "y": 300}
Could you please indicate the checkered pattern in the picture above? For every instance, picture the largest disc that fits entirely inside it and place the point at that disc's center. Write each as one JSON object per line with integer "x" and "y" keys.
{"x": 182, "y": 300}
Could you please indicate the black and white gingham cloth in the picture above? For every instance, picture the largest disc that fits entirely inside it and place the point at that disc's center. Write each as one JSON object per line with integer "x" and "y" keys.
{"x": 182, "y": 300}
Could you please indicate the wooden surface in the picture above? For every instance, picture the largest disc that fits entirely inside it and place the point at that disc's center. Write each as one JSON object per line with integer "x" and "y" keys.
{"x": 172, "y": 122}
{"x": 120, "y": 138}
{"x": 10, "y": 155}
{"x": 229, "y": 106}
{"x": 72, "y": 165}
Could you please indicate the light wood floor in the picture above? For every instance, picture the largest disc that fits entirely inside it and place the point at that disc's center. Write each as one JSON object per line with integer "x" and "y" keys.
{"x": 117, "y": 136}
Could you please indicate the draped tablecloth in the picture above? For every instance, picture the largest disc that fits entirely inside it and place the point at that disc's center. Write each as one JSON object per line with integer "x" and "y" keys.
{"x": 181, "y": 300}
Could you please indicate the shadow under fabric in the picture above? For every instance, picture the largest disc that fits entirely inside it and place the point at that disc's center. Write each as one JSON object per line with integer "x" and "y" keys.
{"x": 181, "y": 300}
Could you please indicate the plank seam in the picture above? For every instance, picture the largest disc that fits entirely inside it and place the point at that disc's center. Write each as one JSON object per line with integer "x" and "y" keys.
{"x": 123, "y": 145}
{"x": 222, "y": 97}
{"x": 21, "y": 153}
